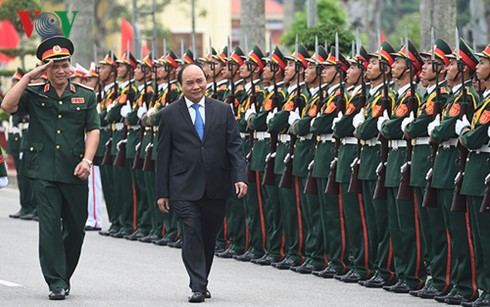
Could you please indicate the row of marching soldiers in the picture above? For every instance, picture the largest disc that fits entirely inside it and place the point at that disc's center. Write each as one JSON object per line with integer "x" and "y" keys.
{"x": 351, "y": 170}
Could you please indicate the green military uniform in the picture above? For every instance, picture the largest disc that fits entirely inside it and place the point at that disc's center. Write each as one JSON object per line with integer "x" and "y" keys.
{"x": 54, "y": 147}
{"x": 3, "y": 170}
{"x": 463, "y": 275}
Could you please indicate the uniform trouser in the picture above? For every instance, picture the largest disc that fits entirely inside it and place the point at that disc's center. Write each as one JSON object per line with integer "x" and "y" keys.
{"x": 334, "y": 230}
{"x": 355, "y": 220}
{"x": 237, "y": 227}
{"x": 106, "y": 176}
{"x": 275, "y": 238}
{"x": 424, "y": 225}
{"x": 171, "y": 224}
{"x": 405, "y": 232}
{"x": 312, "y": 227}
{"x": 480, "y": 229}
{"x": 140, "y": 189}
{"x": 26, "y": 192}
{"x": 438, "y": 241}
{"x": 222, "y": 236}
{"x": 462, "y": 253}
{"x": 377, "y": 221}
{"x": 123, "y": 188}
{"x": 152, "y": 222}
{"x": 292, "y": 222}
{"x": 94, "y": 198}
{"x": 62, "y": 215}
{"x": 255, "y": 206}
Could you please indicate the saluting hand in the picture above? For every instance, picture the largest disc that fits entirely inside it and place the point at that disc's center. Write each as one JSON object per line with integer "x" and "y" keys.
{"x": 37, "y": 72}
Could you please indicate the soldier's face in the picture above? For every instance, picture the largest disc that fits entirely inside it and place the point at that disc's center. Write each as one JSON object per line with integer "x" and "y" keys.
{"x": 452, "y": 70}
{"x": 92, "y": 82}
{"x": 207, "y": 70}
{"x": 218, "y": 67}
{"x": 310, "y": 73}
{"x": 353, "y": 74}
{"x": 290, "y": 71}
{"x": 373, "y": 70}
{"x": 398, "y": 67}
{"x": 161, "y": 72}
{"x": 122, "y": 71}
{"x": 427, "y": 72}
{"x": 483, "y": 68}
{"x": 193, "y": 83}
{"x": 328, "y": 73}
{"x": 138, "y": 74}
{"x": 267, "y": 74}
{"x": 104, "y": 72}
{"x": 59, "y": 72}
{"x": 244, "y": 70}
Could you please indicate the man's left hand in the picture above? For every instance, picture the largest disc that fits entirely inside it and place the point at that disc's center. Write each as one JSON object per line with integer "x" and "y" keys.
{"x": 240, "y": 189}
{"x": 82, "y": 170}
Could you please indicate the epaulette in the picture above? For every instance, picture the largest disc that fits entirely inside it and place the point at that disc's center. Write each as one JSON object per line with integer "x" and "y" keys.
{"x": 173, "y": 87}
{"x": 36, "y": 84}
{"x": 84, "y": 86}
{"x": 442, "y": 90}
{"x": 239, "y": 88}
{"x": 223, "y": 87}
{"x": 337, "y": 93}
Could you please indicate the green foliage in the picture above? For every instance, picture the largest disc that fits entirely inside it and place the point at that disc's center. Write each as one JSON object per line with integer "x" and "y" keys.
{"x": 18, "y": 51}
{"x": 331, "y": 19}
{"x": 9, "y": 8}
{"x": 412, "y": 21}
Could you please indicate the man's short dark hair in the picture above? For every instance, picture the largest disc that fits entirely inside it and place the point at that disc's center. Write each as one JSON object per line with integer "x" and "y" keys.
{"x": 181, "y": 71}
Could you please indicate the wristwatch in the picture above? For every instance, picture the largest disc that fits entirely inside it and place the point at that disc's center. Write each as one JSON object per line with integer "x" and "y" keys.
{"x": 90, "y": 163}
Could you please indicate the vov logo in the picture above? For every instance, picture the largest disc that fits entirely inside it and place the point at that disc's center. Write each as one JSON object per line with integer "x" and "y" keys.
{"x": 47, "y": 24}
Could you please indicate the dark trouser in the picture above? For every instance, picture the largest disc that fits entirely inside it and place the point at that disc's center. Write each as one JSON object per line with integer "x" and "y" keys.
{"x": 292, "y": 222}
{"x": 275, "y": 242}
{"x": 480, "y": 226}
{"x": 107, "y": 179}
{"x": 237, "y": 227}
{"x": 62, "y": 216}
{"x": 438, "y": 241}
{"x": 150, "y": 218}
{"x": 123, "y": 187}
{"x": 26, "y": 189}
{"x": 377, "y": 221}
{"x": 462, "y": 253}
{"x": 200, "y": 221}
{"x": 255, "y": 204}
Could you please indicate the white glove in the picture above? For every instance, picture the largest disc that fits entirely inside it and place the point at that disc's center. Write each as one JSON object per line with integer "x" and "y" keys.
{"x": 407, "y": 121}
{"x": 293, "y": 116}
{"x": 250, "y": 112}
{"x": 98, "y": 108}
{"x": 405, "y": 165}
{"x": 429, "y": 173}
{"x": 461, "y": 124}
{"x": 126, "y": 109}
{"x": 336, "y": 119}
{"x": 151, "y": 111}
{"x": 487, "y": 179}
{"x": 436, "y": 122}
{"x": 378, "y": 169}
{"x": 358, "y": 119}
{"x": 382, "y": 119}
{"x": 4, "y": 181}
{"x": 142, "y": 110}
{"x": 332, "y": 164}
{"x": 356, "y": 160}
{"x": 310, "y": 165}
{"x": 21, "y": 154}
{"x": 271, "y": 115}
{"x": 109, "y": 108}
{"x": 121, "y": 142}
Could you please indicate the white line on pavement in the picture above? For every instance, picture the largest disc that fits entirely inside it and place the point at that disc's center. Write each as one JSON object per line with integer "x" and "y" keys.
{"x": 8, "y": 283}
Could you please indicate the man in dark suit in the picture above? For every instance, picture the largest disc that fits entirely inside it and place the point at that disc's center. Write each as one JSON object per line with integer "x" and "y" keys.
{"x": 200, "y": 163}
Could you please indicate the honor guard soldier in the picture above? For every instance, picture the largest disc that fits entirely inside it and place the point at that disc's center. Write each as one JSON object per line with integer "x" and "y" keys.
{"x": 235, "y": 209}
{"x": 220, "y": 61}
{"x": 461, "y": 102}
{"x": 289, "y": 190}
{"x": 476, "y": 139}
{"x": 4, "y": 179}
{"x": 300, "y": 126}
{"x": 18, "y": 124}
{"x": 331, "y": 207}
{"x": 431, "y": 217}
{"x": 107, "y": 79}
{"x": 209, "y": 73}
{"x": 379, "y": 98}
{"x": 60, "y": 147}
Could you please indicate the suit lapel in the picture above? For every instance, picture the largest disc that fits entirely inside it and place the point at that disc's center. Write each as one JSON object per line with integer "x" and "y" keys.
{"x": 187, "y": 118}
{"x": 209, "y": 117}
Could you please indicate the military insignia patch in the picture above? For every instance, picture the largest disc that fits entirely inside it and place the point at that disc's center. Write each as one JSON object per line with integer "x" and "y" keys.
{"x": 485, "y": 117}
{"x": 376, "y": 111}
{"x": 268, "y": 105}
{"x": 312, "y": 111}
{"x": 288, "y": 106}
{"x": 350, "y": 109}
{"x": 78, "y": 100}
{"x": 239, "y": 88}
{"x": 454, "y": 111}
{"x": 401, "y": 110}
{"x": 330, "y": 108}
{"x": 429, "y": 107}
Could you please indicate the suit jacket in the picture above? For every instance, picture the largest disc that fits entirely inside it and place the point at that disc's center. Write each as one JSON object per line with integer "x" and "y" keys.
{"x": 188, "y": 167}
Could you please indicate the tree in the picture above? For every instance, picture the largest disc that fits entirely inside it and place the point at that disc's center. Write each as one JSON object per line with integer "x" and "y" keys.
{"x": 331, "y": 19}
{"x": 442, "y": 20}
{"x": 82, "y": 34}
{"x": 252, "y": 23}
{"x": 291, "y": 7}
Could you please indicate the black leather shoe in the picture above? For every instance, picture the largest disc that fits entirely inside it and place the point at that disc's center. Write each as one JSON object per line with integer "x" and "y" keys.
{"x": 401, "y": 287}
{"x": 285, "y": 264}
{"x": 92, "y": 228}
{"x": 427, "y": 292}
{"x": 162, "y": 241}
{"x": 229, "y": 253}
{"x": 120, "y": 234}
{"x": 57, "y": 294}
{"x": 27, "y": 217}
{"x": 196, "y": 297}
{"x": 479, "y": 302}
{"x": 16, "y": 215}
{"x": 456, "y": 299}
{"x": 328, "y": 273}
{"x": 218, "y": 250}
{"x": 135, "y": 236}
{"x": 376, "y": 282}
{"x": 35, "y": 217}
{"x": 207, "y": 294}
{"x": 353, "y": 277}
{"x": 264, "y": 260}
{"x": 176, "y": 244}
{"x": 307, "y": 269}
{"x": 247, "y": 257}
{"x": 150, "y": 239}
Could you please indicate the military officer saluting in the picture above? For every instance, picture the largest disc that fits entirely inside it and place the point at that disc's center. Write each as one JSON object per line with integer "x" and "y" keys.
{"x": 62, "y": 140}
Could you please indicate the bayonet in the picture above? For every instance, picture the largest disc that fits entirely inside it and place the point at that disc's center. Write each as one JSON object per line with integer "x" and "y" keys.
{"x": 358, "y": 43}
{"x": 182, "y": 50}
{"x": 316, "y": 50}
{"x": 457, "y": 44}
{"x": 193, "y": 46}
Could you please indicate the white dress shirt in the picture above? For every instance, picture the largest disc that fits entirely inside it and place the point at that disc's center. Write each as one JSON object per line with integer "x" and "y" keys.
{"x": 192, "y": 112}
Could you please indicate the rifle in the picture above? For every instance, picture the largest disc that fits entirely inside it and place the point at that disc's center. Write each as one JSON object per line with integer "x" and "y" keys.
{"x": 231, "y": 99}
{"x": 287, "y": 176}
{"x": 333, "y": 187}
{"x": 405, "y": 191}
{"x": 138, "y": 162}
{"x": 97, "y": 159}
{"x": 459, "y": 200}
{"x": 149, "y": 163}
{"x": 253, "y": 101}
{"x": 269, "y": 176}
{"x": 108, "y": 159}
{"x": 380, "y": 189}
{"x": 311, "y": 186}
{"x": 212, "y": 66}
{"x": 430, "y": 195}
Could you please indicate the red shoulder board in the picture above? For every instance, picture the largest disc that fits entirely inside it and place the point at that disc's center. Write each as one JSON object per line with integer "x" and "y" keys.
{"x": 257, "y": 88}
{"x": 239, "y": 88}
{"x": 288, "y": 106}
{"x": 454, "y": 111}
{"x": 46, "y": 87}
{"x": 350, "y": 109}
{"x": 223, "y": 87}
{"x": 149, "y": 89}
{"x": 442, "y": 90}
{"x": 401, "y": 110}
{"x": 268, "y": 105}
{"x": 72, "y": 88}
{"x": 376, "y": 111}
{"x": 331, "y": 107}
{"x": 429, "y": 107}
{"x": 409, "y": 93}
{"x": 123, "y": 98}
{"x": 485, "y": 117}
{"x": 337, "y": 93}
{"x": 2, "y": 159}
{"x": 173, "y": 87}
{"x": 312, "y": 111}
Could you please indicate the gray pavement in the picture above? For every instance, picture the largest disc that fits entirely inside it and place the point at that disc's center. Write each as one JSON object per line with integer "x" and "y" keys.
{"x": 117, "y": 272}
